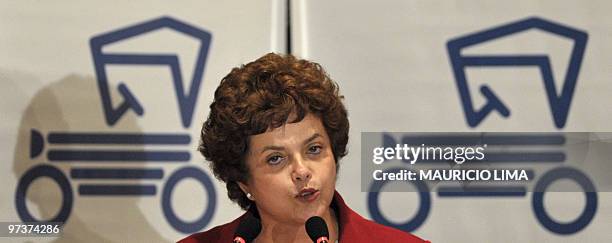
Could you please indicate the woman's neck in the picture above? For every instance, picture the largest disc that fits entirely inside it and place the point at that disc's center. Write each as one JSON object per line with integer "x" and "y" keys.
{"x": 273, "y": 232}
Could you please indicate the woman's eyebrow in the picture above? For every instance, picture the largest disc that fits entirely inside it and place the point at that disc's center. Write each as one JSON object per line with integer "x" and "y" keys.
{"x": 274, "y": 147}
{"x": 313, "y": 137}
{"x": 271, "y": 147}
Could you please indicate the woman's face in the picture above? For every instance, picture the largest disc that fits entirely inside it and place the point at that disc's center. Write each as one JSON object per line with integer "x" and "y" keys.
{"x": 293, "y": 171}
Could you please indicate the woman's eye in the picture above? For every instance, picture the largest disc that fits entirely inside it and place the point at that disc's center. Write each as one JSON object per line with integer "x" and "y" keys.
{"x": 274, "y": 160}
{"x": 315, "y": 149}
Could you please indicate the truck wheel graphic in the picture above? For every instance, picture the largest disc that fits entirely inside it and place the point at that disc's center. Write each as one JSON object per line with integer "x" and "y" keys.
{"x": 409, "y": 225}
{"x": 25, "y": 182}
{"x": 202, "y": 221}
{"x": 587, "y": 214}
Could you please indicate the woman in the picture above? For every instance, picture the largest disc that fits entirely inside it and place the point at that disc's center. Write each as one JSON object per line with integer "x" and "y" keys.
{"x": 276, "y": 130}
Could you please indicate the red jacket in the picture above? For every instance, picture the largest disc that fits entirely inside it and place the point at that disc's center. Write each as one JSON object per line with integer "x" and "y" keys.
{"x": 353, "y": 229}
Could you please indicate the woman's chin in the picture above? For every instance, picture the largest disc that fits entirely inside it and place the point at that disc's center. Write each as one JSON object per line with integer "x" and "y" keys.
{"x": 306, "y": 213}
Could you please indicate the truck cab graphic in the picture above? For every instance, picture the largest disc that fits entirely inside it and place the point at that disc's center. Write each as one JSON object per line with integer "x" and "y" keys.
{"x": 107, "y": 163}
{"x": 186, "y": 98}
{"x": 559, "y": 102}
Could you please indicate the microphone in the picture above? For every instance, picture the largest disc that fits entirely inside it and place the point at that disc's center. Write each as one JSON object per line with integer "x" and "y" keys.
{"x": 317, "y": 230}
{"x": 247, "y": 230}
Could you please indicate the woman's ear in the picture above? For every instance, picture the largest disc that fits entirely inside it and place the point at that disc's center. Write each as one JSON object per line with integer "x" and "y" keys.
{"x": 246, "y": 191}
{"x": 243, "y": 187}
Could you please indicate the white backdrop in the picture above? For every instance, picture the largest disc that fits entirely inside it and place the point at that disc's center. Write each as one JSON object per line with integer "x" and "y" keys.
{"x": 49, "y": 84}
{"x": 390, "y": 59}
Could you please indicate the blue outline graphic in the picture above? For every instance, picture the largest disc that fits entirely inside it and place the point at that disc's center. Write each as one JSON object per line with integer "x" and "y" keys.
{"x": 24, "y": 184}
{"x": 409, "y": 225}
{"x": 559, "y": 103}
{"x": 123, "y": 180}
{"x": 186, "y": 102}
{"x": 173, "y": 219}
{"x": 587, "y": 213}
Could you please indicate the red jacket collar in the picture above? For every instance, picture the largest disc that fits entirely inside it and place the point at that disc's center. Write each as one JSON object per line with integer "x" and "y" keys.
{"x": 352, "y": 228}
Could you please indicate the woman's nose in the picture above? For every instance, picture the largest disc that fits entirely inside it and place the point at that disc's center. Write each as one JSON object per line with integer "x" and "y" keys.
{"x": 300, "y": 171}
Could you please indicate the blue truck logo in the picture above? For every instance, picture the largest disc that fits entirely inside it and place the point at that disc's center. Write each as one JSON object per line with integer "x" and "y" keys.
{"x": 559, "y": 104}
{"x": 129, "y": 161}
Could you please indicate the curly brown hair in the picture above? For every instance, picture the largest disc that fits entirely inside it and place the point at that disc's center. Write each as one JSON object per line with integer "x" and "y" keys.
{"x": 262, "y": 95}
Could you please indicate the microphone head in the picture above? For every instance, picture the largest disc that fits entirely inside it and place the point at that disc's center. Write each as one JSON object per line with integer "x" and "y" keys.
{"x": 248, "y": 229}
{"x": 316, "y": 228}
